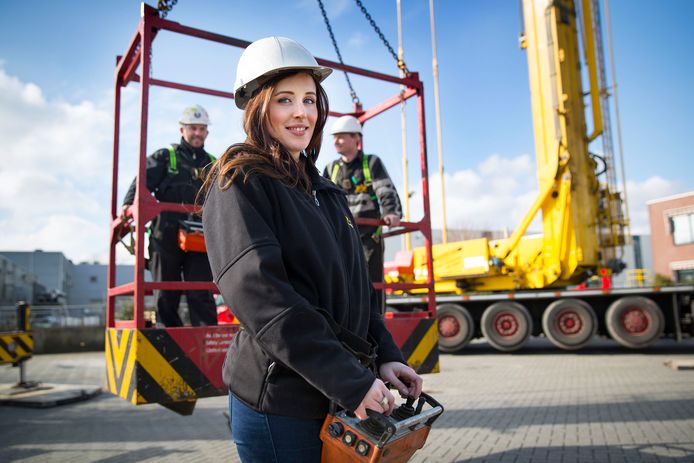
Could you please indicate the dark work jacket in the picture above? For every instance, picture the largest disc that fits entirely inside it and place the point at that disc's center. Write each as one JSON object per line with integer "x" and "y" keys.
{"x": 276, "y": 255}
{"x": 366, "y": 200}
{"x": 180, "y": 186}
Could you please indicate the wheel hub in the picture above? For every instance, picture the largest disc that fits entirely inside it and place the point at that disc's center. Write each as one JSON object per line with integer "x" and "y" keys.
{"x": 635, "y": 320}
{"x": 569, "y": 322}
{"x": 506, "y": 324}
{"x": 448, "y": 326}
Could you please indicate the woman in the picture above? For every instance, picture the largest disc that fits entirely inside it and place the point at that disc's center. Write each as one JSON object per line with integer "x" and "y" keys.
{"x": 287, "y": 258}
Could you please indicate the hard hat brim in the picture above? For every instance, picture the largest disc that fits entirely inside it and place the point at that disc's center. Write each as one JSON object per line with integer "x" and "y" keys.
{"x": 243, "y": 94}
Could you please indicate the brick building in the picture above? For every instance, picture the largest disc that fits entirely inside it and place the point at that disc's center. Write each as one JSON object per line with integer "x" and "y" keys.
{"x": 672, "y": 236}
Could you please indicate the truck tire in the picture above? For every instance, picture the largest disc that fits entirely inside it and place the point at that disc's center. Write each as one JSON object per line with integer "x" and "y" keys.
{"x": 456, "y": 327}
{"x": 506, "y": 325}
{"x": 635, "y": 321}
{"x": 569, "y": 323}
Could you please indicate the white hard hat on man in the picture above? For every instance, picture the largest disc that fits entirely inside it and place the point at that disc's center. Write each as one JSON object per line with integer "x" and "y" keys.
{"x": 194, "y": 114}
{"x": 346, "y": 124}
{"x": 268, "y": 57}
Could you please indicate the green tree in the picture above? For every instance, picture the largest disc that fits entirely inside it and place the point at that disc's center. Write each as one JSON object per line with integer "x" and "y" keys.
{"x": 663, "y": 280}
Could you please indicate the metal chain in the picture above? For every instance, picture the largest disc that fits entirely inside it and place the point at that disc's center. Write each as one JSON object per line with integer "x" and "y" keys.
{"x": 401, "y": 63}
{"x": 164, "y": 6}
{"x": 352, "y": 93}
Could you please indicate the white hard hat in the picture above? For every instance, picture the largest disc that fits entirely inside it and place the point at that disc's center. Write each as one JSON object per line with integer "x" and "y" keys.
{"x": 195, "y": 114}
{"x": 346, "y": 124}
{"x": 267, "y": 57}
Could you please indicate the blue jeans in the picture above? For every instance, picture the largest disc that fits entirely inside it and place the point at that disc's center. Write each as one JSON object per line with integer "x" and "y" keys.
{"x": 265, "y": 438}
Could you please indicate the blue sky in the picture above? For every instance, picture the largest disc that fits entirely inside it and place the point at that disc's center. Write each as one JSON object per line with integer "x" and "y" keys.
{"x": 56, "y": 102}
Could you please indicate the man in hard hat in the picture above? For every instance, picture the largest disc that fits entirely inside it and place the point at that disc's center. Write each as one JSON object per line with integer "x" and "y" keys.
{"x": 370, "y": 191}
{"x": 175, "y": 175}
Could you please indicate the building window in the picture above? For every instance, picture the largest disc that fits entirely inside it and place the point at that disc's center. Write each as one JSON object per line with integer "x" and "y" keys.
{"x": 684, "y": 276}
{"x": 93, "y": 279}
{"x": 682, "y": 228}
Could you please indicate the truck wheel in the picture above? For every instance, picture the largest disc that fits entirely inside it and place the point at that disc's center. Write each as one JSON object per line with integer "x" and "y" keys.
{"x": 455, "y": 327}
{"x": 506, "y": 325}
{"x": 569, "y": 323}
{"x": 635, "y": 321}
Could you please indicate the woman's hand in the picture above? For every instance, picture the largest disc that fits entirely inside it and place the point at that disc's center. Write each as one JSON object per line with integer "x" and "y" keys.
{"x": 378, "y": 398}
{"x": 402, "y": 377}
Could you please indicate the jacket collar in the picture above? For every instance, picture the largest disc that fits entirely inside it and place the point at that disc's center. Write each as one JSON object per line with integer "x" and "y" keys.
{"x": 356, "y": 161}
{"x": 319, "y": 182}
{"x": 189, "y": 150}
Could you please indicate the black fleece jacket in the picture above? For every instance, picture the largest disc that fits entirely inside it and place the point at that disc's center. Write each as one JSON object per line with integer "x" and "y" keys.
{"x": 172, "y": 186}
{"x": 180, "y": 187}
{"x": 276, "y": 255}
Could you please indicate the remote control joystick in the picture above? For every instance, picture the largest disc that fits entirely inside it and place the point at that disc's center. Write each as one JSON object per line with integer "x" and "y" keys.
{"x": 405, "y": 410}
{"x": 375, "y": 424}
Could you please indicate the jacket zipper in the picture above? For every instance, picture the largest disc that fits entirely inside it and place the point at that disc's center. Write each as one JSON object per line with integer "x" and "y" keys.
{"x": 342, "y": 262}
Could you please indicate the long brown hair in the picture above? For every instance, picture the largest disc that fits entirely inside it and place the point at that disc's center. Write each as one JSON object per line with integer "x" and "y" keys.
{"x": 261, "y": 153}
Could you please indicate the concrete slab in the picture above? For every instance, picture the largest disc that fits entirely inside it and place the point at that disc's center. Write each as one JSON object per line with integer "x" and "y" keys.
{"x": 680, "y": 364}
{"x": 44, "y": 395}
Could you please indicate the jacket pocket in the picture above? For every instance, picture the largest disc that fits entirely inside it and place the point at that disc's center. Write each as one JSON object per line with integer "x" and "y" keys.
{"x": 245, "y": 370}
{"x": 269, "y": 377}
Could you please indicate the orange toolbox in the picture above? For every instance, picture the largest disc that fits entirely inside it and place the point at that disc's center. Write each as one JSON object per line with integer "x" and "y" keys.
{"x": 191, "y": 237}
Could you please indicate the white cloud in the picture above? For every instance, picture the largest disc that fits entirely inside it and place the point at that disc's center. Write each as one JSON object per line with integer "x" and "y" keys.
{"x": 55, "y": 194}
{"x": 64, "y": 140}
{"x": 495, "y": 195}
{"x": 498, "y": 192}
{"x": 32, "y": 95}
{"x": 79, "y": 238}
{"x": 639, "y": 192}
{"x": 31, "y": 195}
{"x": 55, "y": 189}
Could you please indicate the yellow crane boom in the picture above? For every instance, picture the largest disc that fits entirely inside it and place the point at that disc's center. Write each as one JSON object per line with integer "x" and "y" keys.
{"x": 582, "y": 219}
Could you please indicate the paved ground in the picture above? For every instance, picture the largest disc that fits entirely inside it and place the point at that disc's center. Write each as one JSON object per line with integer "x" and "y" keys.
{"x": 602, "y": 404}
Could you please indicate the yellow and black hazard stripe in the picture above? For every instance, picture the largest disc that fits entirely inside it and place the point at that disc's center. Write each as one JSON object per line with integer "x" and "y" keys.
{"x": 420, "y": 349}
{"x": 16, "y": 346}
{"x": 148, "y": 366}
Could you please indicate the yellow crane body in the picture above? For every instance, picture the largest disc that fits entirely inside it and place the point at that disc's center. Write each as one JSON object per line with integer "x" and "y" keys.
{"x": 507, "y": 290}
{"x": 575, "y": 207}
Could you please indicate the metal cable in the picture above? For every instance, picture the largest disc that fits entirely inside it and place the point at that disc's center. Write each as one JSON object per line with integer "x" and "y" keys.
{"x": 401, "y": 63}
{"x": 352, "y": 93}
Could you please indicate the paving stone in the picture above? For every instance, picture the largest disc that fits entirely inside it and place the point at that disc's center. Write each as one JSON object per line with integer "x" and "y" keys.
{"x": 541, "y": 405}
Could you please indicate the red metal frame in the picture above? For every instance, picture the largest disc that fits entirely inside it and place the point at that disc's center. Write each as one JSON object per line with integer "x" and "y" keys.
{"x": 145, "y": 207}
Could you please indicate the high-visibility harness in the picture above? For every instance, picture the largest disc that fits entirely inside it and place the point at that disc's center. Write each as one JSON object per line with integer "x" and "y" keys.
{"x": 367, "y": 181}
{"x": 189, "y": 239}
{"x": 367, "y": 173}
{"x": 190, "y": 234}
{"x": 172, "y": 159}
